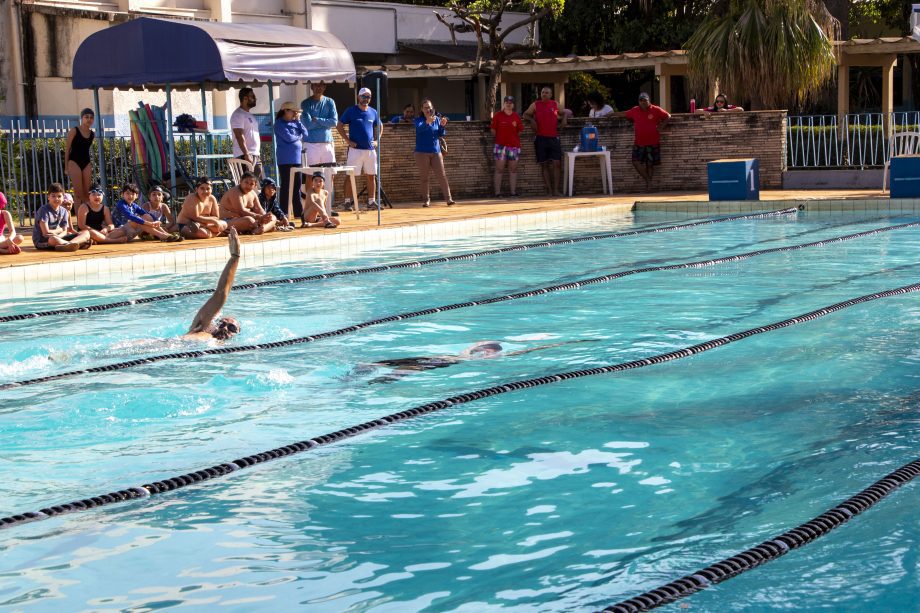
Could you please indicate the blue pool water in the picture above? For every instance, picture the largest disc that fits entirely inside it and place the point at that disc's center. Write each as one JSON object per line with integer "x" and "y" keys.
{"x": 567, "y": 497}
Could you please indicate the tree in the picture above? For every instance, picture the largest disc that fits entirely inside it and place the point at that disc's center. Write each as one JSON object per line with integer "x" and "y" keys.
{"x": 484, "y": 19}
{"x": 596, "y": 27}
{"x": 772, "y": 52}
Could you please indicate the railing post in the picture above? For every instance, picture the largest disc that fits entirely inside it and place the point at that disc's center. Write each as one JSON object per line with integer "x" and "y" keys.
{"x": 101, "y": 130}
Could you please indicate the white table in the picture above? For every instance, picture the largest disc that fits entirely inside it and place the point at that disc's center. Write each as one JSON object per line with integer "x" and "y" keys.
{"x": 329, "y": 173}
{"x": 568, "y": 181}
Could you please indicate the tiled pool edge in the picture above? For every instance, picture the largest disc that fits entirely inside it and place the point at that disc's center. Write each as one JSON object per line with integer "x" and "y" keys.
{"x": 906, "y": 205}
{"x": 267, "y": 252}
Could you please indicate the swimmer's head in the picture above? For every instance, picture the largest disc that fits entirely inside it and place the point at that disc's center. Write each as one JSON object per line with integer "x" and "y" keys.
{"x": 225, "y": 328}
{"x": 485, "y": 349}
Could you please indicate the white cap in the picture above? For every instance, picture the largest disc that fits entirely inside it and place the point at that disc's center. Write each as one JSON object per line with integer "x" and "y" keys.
{"x": 364, "y": 91}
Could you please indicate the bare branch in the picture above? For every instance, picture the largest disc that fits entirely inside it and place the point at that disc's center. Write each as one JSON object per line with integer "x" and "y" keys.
{"x": 526, "y": 21}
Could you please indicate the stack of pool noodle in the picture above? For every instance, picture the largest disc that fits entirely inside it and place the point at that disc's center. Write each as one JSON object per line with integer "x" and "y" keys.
{"x": 148, "y": 130}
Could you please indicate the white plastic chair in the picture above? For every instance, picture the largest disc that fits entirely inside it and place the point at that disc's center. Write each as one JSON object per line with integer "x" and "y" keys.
{"x": 900, "y": 143}
{"x": 238, "y": 168}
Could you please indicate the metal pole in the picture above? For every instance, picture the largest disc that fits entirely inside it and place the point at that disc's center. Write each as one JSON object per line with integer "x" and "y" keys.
{"x": 100, "y": 127}
{"x": 379, "y": 188}
{"x": 271, "y": 112}
{"x": 207, "y": 138}
{"x": 172, "y": 142}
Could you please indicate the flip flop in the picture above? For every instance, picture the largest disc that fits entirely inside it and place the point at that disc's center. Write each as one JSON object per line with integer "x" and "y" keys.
{"x": 329, "y": 224}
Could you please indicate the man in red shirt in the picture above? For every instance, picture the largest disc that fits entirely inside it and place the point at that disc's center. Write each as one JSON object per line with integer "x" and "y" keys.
{"x": 544, "y": 116}
{"x": 648, "y": 121}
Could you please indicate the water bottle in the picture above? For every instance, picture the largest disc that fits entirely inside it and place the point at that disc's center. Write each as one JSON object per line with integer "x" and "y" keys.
{"x": 693, "y": 105}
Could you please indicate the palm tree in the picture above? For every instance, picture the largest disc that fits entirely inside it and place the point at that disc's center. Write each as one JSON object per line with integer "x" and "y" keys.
{"x": 774, "y": 53}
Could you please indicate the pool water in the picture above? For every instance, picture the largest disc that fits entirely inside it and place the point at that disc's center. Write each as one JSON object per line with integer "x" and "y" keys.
{"x": 567, "y": 497}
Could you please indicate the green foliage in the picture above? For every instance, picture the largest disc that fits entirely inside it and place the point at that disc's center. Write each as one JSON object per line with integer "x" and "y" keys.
{"x": 874, "y": 18}
{"x": 773, "y": 52}
{"x": 596, "y": 27}
{"x": 580, "y": 85}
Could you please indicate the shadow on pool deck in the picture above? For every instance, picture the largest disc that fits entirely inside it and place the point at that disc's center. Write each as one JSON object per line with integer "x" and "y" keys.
{"x": 413, "y": 214}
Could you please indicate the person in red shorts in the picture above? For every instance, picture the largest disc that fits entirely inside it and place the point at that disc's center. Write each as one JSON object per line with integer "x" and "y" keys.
{"x": 506, "y": 127}
{"x": 648, "y": 121}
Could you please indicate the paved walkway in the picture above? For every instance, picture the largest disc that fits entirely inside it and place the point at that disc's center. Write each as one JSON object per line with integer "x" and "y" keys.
{"x": 407, "y": 214}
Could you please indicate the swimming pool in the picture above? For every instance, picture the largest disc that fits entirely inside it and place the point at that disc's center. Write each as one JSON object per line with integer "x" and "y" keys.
{"x": 569, "y": 496}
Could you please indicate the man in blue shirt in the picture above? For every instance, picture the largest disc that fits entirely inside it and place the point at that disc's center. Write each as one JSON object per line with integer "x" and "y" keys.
{"x": 362, "y": 144}
{"x": 319, "y": 117}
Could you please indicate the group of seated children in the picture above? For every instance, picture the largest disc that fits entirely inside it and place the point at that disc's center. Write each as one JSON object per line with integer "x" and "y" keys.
{"x": 200, "y": 217}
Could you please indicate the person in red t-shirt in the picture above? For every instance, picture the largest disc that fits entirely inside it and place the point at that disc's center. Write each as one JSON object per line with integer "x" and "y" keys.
{"x": 544, "y": 116}
{"x": 648, "y": 121}
{"x": 506, "y": 127}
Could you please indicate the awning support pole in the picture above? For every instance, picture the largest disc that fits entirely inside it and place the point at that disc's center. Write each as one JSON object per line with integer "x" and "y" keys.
{"x": 101, "y": 139}
{"x": 172, "y": 142}
{"x": 271, "y": 112}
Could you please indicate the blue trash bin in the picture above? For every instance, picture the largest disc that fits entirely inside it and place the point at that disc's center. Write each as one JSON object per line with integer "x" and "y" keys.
{"x": 734, "y": 179}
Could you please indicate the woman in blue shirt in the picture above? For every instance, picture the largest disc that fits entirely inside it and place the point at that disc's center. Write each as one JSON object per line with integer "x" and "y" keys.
{"x": 289, "y": 136}
{"x": 429, "y": 128}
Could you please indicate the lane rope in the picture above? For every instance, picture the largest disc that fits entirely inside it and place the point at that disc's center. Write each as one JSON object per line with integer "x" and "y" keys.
{"x": 449, "y": 307}
{"x": 397, "y": 266}
{"x": 220, "y": 470}
{"x": 771, "y": 549}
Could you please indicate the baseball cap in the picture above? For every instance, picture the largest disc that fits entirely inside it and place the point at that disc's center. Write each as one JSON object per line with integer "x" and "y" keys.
{"x": 645, "y": 95}
{"x": 364, "y": 92}
{"x": 290, "y": 106}
{"x": 509, "y": 98}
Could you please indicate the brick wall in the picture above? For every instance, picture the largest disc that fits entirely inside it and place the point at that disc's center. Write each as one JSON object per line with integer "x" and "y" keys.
{"x": 688, "y": 142}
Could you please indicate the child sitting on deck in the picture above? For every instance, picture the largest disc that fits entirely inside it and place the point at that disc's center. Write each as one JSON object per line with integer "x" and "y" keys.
{"x": 157, "y": 208}
{"x": 95, "y": 218}
{"x": 52, "y": 225}
{"x": 10, "y": 245}
{"x": 268, "y": 198}
{"x": 135, "y": 220}
{"x": 314, "y": 210}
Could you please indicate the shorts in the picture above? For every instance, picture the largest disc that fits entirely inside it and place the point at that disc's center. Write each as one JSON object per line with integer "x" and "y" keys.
{"x": 500, "y": 152}
{"x": 46, "y": 246}
{"x": 320, "y": 153}
{"x": 364, "y": 161}
{"x": 647, "y": 154}
{"x": 548, "y": 149}
{"x": 256, "y": 165}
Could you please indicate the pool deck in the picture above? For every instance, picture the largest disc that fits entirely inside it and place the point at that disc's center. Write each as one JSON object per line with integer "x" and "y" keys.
{"x": 404, "y": 215}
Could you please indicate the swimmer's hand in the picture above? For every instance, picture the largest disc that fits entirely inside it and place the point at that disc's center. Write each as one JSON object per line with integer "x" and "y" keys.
{"x": 234, "y": 239}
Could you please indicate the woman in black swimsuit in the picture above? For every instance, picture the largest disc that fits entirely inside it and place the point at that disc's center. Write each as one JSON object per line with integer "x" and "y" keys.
{"x": 77, "y": 160}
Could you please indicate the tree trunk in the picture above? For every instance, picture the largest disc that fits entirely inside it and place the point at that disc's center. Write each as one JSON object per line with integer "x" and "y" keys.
{"x": 840, "y": 10}
{"x": 495, "y": 78}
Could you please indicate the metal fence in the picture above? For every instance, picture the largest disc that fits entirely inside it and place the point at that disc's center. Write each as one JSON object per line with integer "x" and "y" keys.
{"x": 821, "y": 141}
{"x": 32, "y": 158}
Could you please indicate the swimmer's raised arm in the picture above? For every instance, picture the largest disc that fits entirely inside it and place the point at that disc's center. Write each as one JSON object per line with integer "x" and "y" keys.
{"x": 215, "y": 303}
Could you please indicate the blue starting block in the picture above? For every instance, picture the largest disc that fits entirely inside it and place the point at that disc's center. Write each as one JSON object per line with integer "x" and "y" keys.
{"x": 734, "y": 179}
{"x": 905, "y": 176}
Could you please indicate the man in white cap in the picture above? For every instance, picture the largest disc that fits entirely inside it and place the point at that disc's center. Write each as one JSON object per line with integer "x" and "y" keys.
{"x": 362, "y": 144}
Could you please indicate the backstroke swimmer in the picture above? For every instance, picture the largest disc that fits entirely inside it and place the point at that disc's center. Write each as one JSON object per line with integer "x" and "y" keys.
{"x": 204, "y": 327}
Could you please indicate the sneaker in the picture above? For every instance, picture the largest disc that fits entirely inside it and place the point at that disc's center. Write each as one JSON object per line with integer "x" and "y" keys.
{"x": 372, "y": 205}
{"x": 349, "y": 205}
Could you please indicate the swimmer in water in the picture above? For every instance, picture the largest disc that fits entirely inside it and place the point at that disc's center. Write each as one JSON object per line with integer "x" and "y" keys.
{"x": 483, "y": 350}
{"x": 204, "y": 327}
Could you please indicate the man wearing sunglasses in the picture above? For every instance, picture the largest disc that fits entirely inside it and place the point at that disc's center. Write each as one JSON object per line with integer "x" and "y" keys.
{"x": 363, "y": 136}
{"x": 204, "y": 327}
